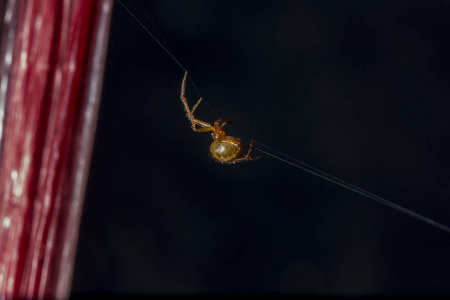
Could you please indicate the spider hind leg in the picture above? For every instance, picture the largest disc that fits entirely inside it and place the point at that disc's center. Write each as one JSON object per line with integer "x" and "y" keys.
{"x": 247, "y": 157}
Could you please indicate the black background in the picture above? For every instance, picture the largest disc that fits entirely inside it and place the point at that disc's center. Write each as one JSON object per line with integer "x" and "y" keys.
{"x": 359, "y": 89}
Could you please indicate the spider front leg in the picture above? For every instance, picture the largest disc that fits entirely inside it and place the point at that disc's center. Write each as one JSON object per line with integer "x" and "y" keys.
{"x": 190, "y": 114}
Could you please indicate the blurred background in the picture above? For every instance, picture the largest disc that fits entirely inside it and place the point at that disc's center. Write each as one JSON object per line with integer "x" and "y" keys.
{"x": 358, "y": 89}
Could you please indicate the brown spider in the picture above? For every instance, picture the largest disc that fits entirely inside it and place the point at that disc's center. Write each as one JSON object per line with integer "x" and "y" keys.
{"x": 224, "y": 149}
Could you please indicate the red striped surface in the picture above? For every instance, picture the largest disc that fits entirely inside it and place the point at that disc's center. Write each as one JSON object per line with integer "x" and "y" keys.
{"x": 46, "y": 104}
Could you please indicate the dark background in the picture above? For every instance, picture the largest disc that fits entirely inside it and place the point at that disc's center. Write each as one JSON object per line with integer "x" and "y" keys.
{"x": 359, "y": 89}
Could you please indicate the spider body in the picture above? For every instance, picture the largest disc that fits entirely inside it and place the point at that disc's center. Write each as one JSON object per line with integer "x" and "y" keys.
{"x": 224, "y": 149}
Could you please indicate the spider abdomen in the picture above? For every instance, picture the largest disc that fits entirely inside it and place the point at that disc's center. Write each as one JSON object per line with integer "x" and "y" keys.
{"x": 224, "y": 152}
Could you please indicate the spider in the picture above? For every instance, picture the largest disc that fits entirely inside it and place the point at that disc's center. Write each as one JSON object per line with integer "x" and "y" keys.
{"x": 224, "y": 149}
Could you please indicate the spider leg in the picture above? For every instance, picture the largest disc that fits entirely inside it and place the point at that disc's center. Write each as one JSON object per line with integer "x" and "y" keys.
{"x": 247, "y": 156}
{"x": 202, "y": 129}
{"x": 230, "y": 140}
{"x": 195, "y": 106}
{"x": 221, "y": 123}
{"x": 190, "y": 114}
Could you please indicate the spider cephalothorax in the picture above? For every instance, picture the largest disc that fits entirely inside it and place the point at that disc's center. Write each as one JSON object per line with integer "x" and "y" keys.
{"x": 224, "y": 149}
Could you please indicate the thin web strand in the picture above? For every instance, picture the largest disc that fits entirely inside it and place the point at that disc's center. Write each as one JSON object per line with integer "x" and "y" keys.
{"x": 147, "y": 15}
{"x": 348, "y": 186}
{"x": 156, "y": 40}
{"x": 167, "y": 50}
